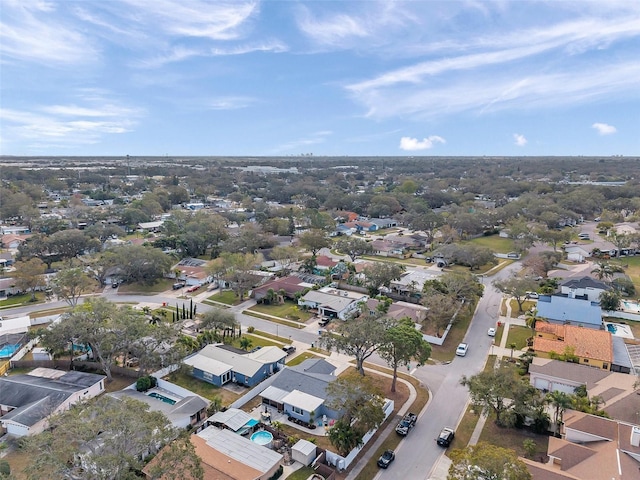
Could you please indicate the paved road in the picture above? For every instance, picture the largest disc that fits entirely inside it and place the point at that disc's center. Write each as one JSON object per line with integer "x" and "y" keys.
{"x": 419, "y": 453}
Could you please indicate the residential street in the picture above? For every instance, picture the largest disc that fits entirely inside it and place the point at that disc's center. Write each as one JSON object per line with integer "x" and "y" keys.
{"x": 418, "y": 454}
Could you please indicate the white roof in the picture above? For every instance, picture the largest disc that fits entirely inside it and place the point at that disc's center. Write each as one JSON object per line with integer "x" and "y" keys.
{"x": 209, "y": 365}
{"x": 305, "y": 447}
{"x": 328, "y": 300}
{"x": 273, "y": 393}
{"x": 268, "y": 354}
{"x": 302, "y": 400}
{"x": 233, "y": 418}
{"x": 240, "y": 449}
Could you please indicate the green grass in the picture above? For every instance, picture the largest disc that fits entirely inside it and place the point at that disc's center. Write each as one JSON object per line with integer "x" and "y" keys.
{"x": 465, "y": 428}
{"x": 255, "y": 341}
{"x": 494, "y": 242}
{"x": 301, "y": 474}
{"x": 631, "y": 266}
{"x": 201, "y": 388}
{"x": 277, "y": 338}
{"x": 25, "y": 299}
{"x": 499, "y": 333}
{"x": 160, "y": 286}
{"x": 518, "y": 335}
{"x": 300, "y": 358}
{"x": 226, "y": 296}
{"x": 288, "y": 310}
{"x": 512, "y": 438}
{"x": 281, "y": 321}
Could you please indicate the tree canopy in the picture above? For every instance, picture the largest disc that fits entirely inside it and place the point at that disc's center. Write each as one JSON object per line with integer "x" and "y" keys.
{"x": 487, "y": 462}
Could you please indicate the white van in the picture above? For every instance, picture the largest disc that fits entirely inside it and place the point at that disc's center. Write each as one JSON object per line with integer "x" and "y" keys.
{"x": 583, "y": 236}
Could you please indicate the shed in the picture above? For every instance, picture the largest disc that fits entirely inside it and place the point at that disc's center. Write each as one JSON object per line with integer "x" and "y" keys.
{"x": 304, "y": 452}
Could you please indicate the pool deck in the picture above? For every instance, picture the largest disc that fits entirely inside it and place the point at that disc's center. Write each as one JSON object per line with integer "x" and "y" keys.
{"x": 620, "y": 330}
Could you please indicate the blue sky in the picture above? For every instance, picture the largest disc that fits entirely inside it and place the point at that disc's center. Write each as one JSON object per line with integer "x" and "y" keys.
{"x": 157, "y": 77}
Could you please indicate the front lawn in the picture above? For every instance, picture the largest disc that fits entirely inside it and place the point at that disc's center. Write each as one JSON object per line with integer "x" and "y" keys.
{"x": 518, "y": 335}
{"x": 288, "y": 310}
{"x": 513, "y": 439}
{"x": 300, "y": 358}
{"x": 226, "y": 296}
{"x": 138, "y": 288}
{"x": 494, "y": 242}
{"x": 24, "y": 299}
{"x": 446, "y": 351}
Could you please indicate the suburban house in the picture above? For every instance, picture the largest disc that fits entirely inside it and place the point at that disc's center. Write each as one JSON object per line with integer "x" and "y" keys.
{"x": 227, "y": 456}
{"x": 301, "y": 391}
{"x": 285, "y": 286}
{"x": 399, "y": 310}
{"x": 577, "y": 253}
{"x": 14, "y": 230}
{"x": 411, "y": 282}
{"x": 591, "y": 448}
{"x": 234, "y": 419}
{"x": 332, "y": 303}
{"x": 220, "y": 364}
{"x": 13, "y": 241}
{"x": 383, "y": 223}
{"x": 386, "y": 248}
{"x": 324, "y": 263}
{"x": 616, "y": 389}
{"x": 571, "y": 311}
{"x": 586, "y": 288}
{"x": 26, "y": 401}
{"x": 593, "y": 348}
{"x": 192, "y": 272}
{"x": 186, "y": 412}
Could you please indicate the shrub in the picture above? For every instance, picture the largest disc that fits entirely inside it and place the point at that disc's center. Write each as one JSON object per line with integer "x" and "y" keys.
{"x": 5, "y": 468}
{"x": 251, "y": 329}
{"x": 145, "y": 383}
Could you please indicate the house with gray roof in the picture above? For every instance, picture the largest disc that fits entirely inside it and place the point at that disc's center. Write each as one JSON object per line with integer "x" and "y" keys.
{"x": 332, "y": 303}
{"x": 570, "y": 311}
{"x": 586, "y": 288}
{"x": 185, "y": 411}
{"x": 27, "y": 401}
{"x": 301, "y": 391}
{"x": 218, "y": 364}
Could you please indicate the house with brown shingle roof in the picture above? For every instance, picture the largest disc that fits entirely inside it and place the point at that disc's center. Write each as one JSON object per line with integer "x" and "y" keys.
{"x": 289, "y": 286}
{"x": 593, "y": 348}
{"x": 591, "y": 448}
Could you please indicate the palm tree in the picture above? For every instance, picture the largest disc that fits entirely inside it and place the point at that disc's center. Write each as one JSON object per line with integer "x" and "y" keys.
{"x": 560, "y": 401}
{"x": 531, "y": 317}
{"x": 245, "y": 343}
{"x": 605, "y": 270}
{"x": 512, "y": 346}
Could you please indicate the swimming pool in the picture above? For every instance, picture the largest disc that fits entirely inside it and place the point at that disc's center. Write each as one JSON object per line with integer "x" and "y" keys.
{"x": 619, "y": 329}
{"x": 170, "y": 401}
{"x": 7, "y": 351}
{"x": 263, "y": 438}
{"x": 631, "y": 306}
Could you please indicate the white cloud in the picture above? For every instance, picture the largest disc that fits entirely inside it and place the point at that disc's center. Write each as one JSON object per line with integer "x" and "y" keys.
{"x": 412, "y": 144}
{"x": 230, "y": 103}
{"x": 520, "y": 140}
{"x": 69, "y": 126}
{"x": 604, "y": 129}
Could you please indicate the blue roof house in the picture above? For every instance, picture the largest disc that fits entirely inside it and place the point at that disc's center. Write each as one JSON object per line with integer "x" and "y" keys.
{"x": 570, "y": 311}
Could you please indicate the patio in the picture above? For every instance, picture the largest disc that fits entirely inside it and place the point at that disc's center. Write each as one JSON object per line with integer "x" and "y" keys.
{"x": 268, "y": 415}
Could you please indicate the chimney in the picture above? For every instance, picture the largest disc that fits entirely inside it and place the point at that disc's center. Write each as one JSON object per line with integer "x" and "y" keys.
{"x": 635, "y": 436}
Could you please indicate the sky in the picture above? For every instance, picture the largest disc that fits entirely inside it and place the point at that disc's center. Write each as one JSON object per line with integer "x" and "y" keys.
{"x": 322, "y": 78}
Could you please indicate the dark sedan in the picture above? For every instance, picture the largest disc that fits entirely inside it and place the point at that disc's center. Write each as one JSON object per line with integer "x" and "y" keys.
{"x": 386, "y": 458}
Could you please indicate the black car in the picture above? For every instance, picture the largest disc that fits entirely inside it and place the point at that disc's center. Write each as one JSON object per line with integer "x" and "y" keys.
{"x": 446, "y": 437}
{"x": 386, "y": 458}
{"x": 289, "y": 349}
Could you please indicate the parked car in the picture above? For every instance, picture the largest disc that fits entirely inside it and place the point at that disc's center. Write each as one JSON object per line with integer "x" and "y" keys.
{"x": 178, "y": 285}
{"x": 461, "y": 351}
{"x": 193, "y": 289}
{"x": 491, "y": 332}
{"x": 115, "y": 285}
{"x": 532, "y": 295}
{"x": 406, "y": 424}
{"x": 289, "y": 349}
{"x": 446, "y": 437}
{"x": 386, "y": 458}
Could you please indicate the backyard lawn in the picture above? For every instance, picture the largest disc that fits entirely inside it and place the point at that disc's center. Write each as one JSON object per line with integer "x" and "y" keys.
{"x": 513, "y": 439}
{"x": 201, "y": 388}
{"x": 631, "y": 266}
